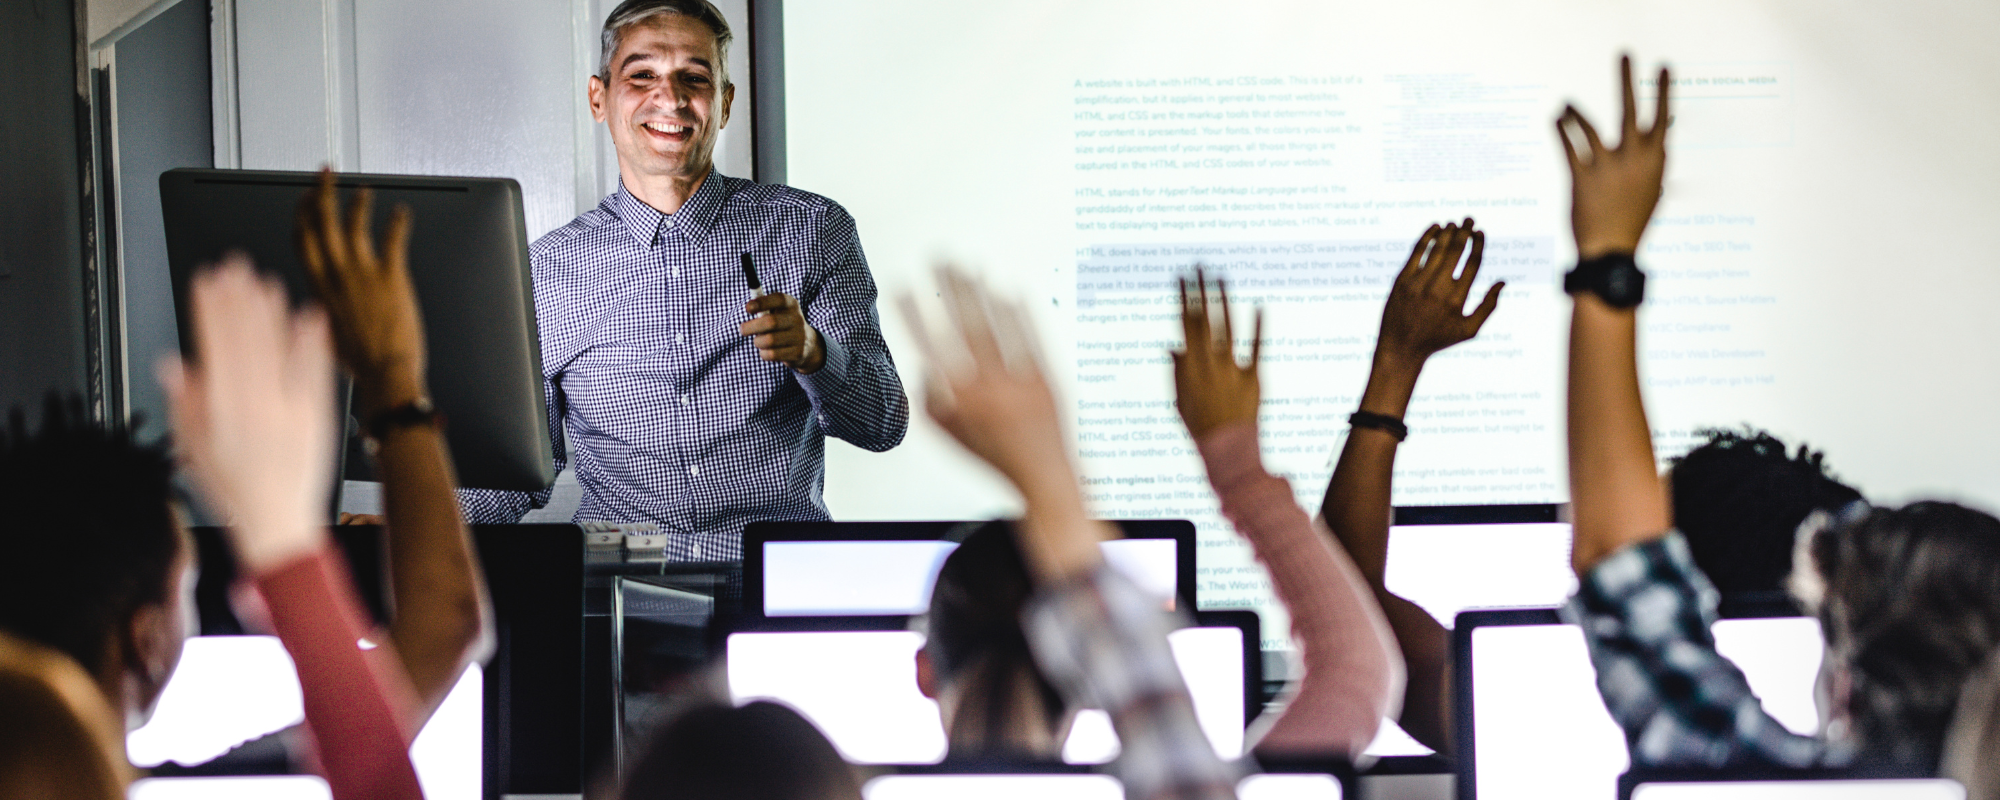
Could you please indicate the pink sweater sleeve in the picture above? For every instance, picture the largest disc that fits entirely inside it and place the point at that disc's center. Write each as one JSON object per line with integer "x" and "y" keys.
{"x": 1353, "y": 668}
{"x": 358, "y": 702}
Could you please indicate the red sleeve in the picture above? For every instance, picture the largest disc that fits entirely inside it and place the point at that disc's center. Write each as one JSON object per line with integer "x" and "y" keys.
{"x": 1353, "y": 668}
{"x": 358, "y": 702}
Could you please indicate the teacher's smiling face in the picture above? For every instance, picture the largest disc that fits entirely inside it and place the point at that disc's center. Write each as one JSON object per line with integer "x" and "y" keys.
{"x": 665, "y": 98}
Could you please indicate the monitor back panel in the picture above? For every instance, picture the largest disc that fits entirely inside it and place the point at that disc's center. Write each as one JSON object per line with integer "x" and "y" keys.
{"x": 468, "y": 258}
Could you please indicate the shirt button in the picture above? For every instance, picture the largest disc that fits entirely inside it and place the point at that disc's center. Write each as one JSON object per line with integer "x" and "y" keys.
{"x": 677, "y": 272}
{"x": 695, "y": 471}
{"x": 685, "y": 400}
{"x": 678, "y": 338}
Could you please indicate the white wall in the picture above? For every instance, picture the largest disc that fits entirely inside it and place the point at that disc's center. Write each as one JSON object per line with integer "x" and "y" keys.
{"x": 436, "y": 87}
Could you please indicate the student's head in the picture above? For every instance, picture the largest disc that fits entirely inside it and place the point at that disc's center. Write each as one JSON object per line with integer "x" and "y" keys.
{"x": 663, "y": 86}
{"x": 1909, "y": 602}
{"x": 1740, "y": 496}
{"x": 975, "y": 660}
{"x": 94, "y": 561}
{"x": 760, "y": 751}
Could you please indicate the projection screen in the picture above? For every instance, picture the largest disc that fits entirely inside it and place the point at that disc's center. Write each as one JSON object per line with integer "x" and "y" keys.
{"x": 1821, "y": 264}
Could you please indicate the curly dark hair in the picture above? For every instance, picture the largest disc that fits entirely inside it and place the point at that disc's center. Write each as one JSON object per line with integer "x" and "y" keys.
{"x": 1911, "y": 608}
{"x": 1739, "y": 499}
{"x": 89, "y": 535}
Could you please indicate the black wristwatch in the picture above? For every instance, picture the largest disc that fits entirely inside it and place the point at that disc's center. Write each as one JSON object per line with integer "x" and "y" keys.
{"x": 1615, "y": 278}
{"x": 417, "y": 412}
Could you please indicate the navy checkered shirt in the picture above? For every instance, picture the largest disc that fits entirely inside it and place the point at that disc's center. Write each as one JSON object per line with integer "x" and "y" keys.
{"x": 668, "y": 413}
{"x": 1647, "y": 613}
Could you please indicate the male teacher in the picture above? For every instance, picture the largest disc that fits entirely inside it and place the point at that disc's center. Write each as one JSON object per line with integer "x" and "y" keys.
{"x": 676, "y": 401}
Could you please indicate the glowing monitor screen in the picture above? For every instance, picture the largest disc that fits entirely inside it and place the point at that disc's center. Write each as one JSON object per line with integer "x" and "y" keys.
{"x": 860, "y": 688}
{"x": 1077, "y": 787}
{"x": 229, "y": 690}
{"x": 1446, "y": 569}
{"x": 865, "y": 578}
{"x": 1932, "y": 789}
{"x": 1540, "y": 728}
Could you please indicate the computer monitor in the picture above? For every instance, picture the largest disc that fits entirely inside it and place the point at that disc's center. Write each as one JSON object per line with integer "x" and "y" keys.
{"x": 855, "y": 678}
{"x": 469, "y": 264}
{"x": 511, "y": 727}
{"x": 229, "y": 690}
{"x": 1448, "y": 559}
{"x": 1532, "y": 725}
{"x": 843, "y": 569}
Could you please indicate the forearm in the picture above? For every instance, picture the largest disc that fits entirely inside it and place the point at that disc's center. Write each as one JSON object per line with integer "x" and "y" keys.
{"x": 1358, "y": 509}
{"x": 1353, "y": 674}
{"x": 1059, "y": 541}
{"x": 357, "y": 703}
{"x": 857, "y": 393}
{"x": 1357, "y": 502}
{"x": 441, "y": 620}
{"x": 1615, "y": 494}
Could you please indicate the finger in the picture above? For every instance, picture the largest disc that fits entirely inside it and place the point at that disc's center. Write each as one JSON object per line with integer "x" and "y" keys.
{"x": 1569, "y": 148}
{"x": 1187, "y": 316}
{"x": 1020, "y": 344}
{"x": 311, "y": 351}
{"x": 1486, "y": 306}
{"x": 1631, "y": 128}
{"x": 1661, "y": 118}
{"x": 966, "y": 302}
{"x": 1194, "y": 310}
{"x": 774, "y": 301}
{"x": 1472, "y": 262}
{"x": 1590, "y": 137}
{"x": 1415, "y": 264}
{"x": 1256, "y": 340}
{"x": 769, "y": 323}
{"x": 1444, "y": 256}
{"x": 329, "y": 221}
{"x": 920, "y": 329}
{"x": 360, "y": 231}
{"x": 397, "y": 259}
{"x": 314, "y": 257}
{"x": 1228, "y": 339}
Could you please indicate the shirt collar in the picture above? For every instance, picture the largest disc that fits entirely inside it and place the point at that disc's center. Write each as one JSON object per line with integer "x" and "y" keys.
{"x": 694, "y": 220}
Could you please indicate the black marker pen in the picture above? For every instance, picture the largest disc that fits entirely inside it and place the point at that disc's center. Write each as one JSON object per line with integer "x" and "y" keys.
{"x": 750, "y": 277}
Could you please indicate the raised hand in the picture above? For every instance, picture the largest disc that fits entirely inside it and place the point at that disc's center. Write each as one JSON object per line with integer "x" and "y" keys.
{"x": 1613, "y": 190}
{"x": 1425, "y": 311}
{"x": 1213, "y": 390}
{"x": 375, "y": 319}
{"x": 986, "y": 388}
{"x": 253, "y": 416}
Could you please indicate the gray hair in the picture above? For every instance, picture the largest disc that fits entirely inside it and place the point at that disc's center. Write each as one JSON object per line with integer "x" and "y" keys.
{"x": 633, "y": 12}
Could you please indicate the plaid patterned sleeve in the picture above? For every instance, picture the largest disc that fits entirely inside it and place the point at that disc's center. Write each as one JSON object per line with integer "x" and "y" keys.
{"x": 1645, "y": 614}
{"x": 1103, "y": 642}
{"x": 856, "y": 394}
